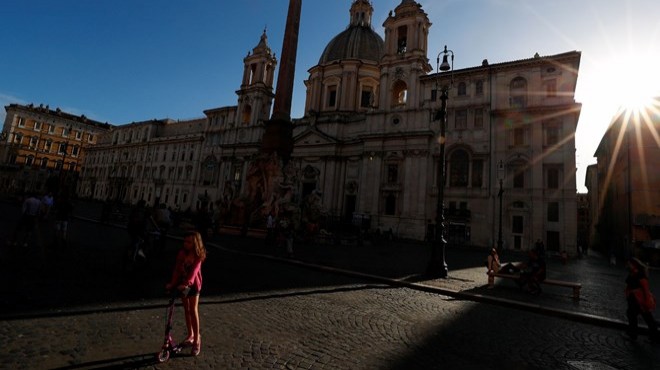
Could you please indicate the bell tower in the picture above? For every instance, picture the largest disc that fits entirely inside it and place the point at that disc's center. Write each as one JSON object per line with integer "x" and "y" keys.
{"x": 405, "y": 59}
{"x": 255, "y": 96}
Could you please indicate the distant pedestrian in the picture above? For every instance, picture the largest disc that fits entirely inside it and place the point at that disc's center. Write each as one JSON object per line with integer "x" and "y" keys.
{"x": 63, "y": 209}
{"x": 137, "y": 228}
{"x": 493, "y": 266}
{"x": 640, "y": 300}
{"x": 46, "y": 203}
{"x": 163, "y": 220}
{"x": 285, "y": 235}
{"x": 270, "y": 228}
{"x": 540, "y": 248}
{"x": 187, "y": 278}
{"x": 30, "y": 210}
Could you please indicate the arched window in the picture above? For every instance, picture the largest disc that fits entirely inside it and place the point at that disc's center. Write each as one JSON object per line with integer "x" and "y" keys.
{"x": 518, "y": 93}
{"x": 402, "y": 39}
{"x": 459, "y": 166}
{"x": 399, "y": 93}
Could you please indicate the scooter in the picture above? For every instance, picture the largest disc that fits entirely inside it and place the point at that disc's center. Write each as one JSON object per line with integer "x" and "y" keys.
{"x": 169, "y": 346}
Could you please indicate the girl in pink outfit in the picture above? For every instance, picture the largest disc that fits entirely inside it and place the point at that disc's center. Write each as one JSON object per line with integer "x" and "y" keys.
{"x": 187, "y": 278}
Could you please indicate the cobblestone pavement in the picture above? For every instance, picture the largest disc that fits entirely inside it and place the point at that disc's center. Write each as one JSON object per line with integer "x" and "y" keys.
{"x": 72, "y": 310}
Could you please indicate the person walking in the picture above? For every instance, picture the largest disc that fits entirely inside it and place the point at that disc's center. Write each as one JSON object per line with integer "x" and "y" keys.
{"x": 639, "y": 299}
{"x": 63, "y": 209}
{"x": 493, "y": 266}
{"x": 137, "y": 227}
{"x": 28, "y": 221}
{"x": 187, "y": 278}
{"x": 270, "y": 228}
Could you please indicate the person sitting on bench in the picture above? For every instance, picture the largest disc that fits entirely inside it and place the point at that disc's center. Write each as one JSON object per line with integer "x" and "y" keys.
{"x": 533, "y": 272}
{"x": 530, "y": 273}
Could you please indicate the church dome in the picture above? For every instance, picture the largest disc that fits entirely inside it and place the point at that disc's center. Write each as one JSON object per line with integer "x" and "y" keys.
{"x": 356, "y": 42}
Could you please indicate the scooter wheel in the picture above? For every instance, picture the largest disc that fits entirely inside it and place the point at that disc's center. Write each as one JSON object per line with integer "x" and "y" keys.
{"x": 163, "y": 355}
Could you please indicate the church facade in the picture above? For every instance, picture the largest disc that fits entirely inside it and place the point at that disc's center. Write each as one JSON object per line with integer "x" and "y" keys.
{"x": 368, "y": 143}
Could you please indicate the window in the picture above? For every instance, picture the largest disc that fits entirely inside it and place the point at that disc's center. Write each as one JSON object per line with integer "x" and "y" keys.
{"x": 518, "y": 136}
{"x": 365, "y": 99}
{"x": 47, "y": 145}
{"x": 477, "y": 173}
{"x": 390, "y": 205}
{"x": 553, "y": 212}
{"x": 62, "y": 148}
{"x": 65, "y": 131}
{"x": 519, "y": 179}
{"x": 51, "y": 129}
{"x": 29, "y": 160}
{"x": 392, "y": 173}
{"x": 518, "y": 93}
{"x": 517, "y": 225}
{"x": 79, "y": 135}
{"x": 552, "y": 133}
{"x": 402, "y": 39}
{"x": 44, "y": 163}
{"x": 461, "y": 119}
{"x": 479, "y": 88}
{"x": 462, "y": 89}
{"x": 399, "y": 93}
{"x": 553, "y": 178}
{"x": 90, "y": 138}
{"x": 37, "y": 126}
{"x": 247, "y": 114}
{"x": 459, "y": 166}
{"x": 18, "y": 137}
{"x": 478, "y": 118}
{"x": 332, "y": 96}
{"x": 33, "y": 142}
{"x": 20, "y": 122}
{"x": 434, "y": 94}
{"x": 75, "y": 150}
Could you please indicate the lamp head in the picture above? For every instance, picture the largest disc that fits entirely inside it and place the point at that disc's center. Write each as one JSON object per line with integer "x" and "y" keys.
{"x": 501, "y": 171}
{"x": 445, "y": 64}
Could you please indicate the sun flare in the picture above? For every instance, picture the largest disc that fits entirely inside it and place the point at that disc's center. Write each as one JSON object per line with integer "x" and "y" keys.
{"x": 637, "y": 82}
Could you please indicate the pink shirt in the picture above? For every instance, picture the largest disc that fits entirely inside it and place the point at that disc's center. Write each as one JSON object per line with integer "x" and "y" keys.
{"x": 187, "y": 270}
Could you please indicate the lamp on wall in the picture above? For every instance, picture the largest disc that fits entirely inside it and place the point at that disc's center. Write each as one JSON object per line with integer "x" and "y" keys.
{"x": 437, "y": 266}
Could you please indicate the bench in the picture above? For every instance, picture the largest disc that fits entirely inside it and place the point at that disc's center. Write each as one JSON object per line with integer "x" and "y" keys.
{"x": 575, "y": 286}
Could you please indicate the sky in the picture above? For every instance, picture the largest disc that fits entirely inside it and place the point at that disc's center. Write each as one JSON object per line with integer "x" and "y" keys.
{"x": 122, "y": 61}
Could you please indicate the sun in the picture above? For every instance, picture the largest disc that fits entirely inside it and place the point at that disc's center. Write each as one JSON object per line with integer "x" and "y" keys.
{"x": 637, "y": 81}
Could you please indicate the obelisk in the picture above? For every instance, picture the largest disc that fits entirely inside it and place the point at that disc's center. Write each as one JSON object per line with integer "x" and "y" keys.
{"x": 278, "y": 136}
{"x": 268, "y": 189}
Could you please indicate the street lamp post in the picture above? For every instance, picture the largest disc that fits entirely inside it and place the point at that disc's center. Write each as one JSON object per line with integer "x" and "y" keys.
{"x": 500, "y": 176}
{"x": 437, "y": 265}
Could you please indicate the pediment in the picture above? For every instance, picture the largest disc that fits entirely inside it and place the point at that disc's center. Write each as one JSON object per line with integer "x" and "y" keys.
{"x": 313, "y": 137}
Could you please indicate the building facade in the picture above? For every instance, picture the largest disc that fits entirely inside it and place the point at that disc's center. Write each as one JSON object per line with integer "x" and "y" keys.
{"x": 628, "y": 178}
{"x": 367, "y": 144}
{"x": 42, "y": 150}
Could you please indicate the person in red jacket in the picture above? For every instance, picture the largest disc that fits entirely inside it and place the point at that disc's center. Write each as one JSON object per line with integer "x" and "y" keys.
{"x": 187, "y": 278}
{"x": 640, "y": 300}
